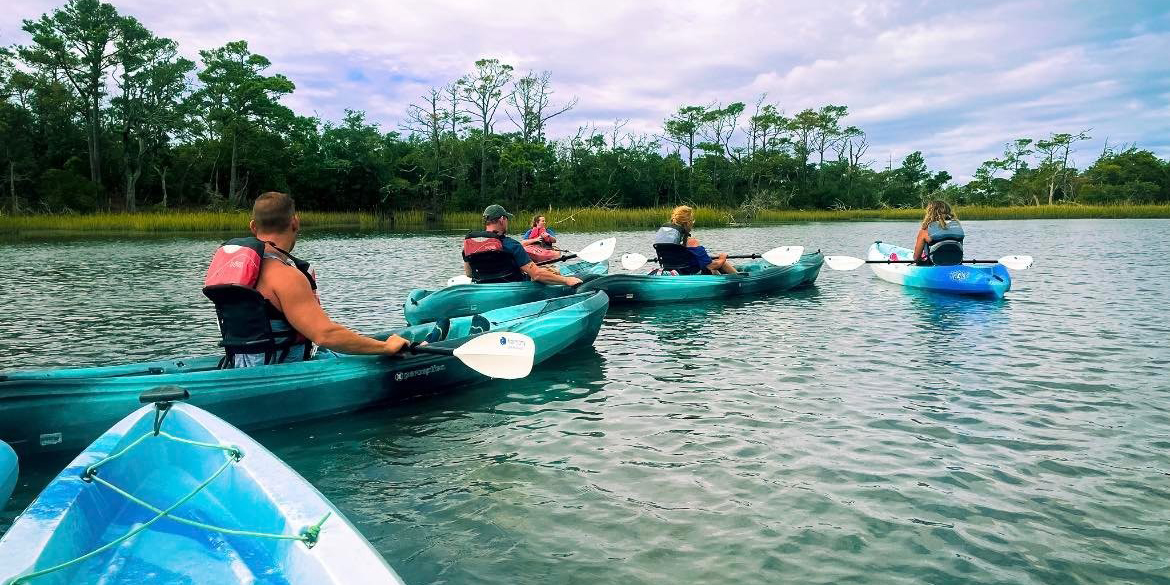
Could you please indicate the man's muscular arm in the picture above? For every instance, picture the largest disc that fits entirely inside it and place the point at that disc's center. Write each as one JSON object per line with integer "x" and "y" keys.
{"x": 302, "y": 310}
{"x": 547, "y": 275}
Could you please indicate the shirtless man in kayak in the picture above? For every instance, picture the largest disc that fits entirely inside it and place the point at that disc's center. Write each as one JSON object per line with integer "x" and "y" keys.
{"x": 287, "y": 295}
{"x": 491, "y": 256}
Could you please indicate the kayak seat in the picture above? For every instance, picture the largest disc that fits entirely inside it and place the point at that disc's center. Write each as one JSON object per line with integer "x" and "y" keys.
{"x": 439, "y": 331}
{"x": 247, "y": 326}
{"x": 946, "y": 253}
{"x": 479, "y": 324}
{"x": 676, "y": 257}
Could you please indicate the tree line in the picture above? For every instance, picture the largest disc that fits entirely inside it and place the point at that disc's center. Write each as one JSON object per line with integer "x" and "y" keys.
{"x": 99, "y": 113}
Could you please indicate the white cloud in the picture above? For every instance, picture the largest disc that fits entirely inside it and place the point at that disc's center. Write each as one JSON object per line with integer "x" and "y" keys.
{"x": 952, "y": 80}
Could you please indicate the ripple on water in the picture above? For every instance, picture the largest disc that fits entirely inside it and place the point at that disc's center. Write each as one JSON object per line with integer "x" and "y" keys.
{"x": 853, "y": 432}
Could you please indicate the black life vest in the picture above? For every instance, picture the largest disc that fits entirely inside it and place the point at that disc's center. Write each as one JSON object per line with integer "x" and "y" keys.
{"x": 670, "y": 244}
{"x": 946, "y": 244}
{"x": 248, "y": 322}
{"x": 490, "y": 262}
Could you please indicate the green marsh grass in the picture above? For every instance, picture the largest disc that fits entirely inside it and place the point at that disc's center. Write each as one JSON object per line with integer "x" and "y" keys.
{"x": 571, "y": 220}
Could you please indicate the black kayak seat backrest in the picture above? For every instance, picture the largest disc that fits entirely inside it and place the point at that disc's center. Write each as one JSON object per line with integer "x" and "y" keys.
{"x": 946, "y": 253}
{"x": 676, "y": 257}
{"x": 243, "y": 318}
{"x": 479, "y": 324}
{"x": 495, "y": 266}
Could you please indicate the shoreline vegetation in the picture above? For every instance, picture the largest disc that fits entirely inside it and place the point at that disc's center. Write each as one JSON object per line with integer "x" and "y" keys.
{"x": 568, "y": 220}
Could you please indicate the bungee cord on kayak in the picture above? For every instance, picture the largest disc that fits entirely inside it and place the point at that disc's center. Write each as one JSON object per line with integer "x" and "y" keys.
{"x": 232, "y": 454}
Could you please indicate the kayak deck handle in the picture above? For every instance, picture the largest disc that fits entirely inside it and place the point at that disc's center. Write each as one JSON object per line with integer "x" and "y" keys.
{"x": 164, "y": 394}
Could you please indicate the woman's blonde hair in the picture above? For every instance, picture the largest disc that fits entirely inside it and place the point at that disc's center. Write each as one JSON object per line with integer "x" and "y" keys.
{"x": 683, "y": 215}
{"x": 938, "y": 212}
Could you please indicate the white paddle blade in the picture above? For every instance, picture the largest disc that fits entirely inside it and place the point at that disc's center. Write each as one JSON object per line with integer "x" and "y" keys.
{"x": 461, "y": 279}
{"x": 598, "y": 251}
{"x": 633, "y": 261}
{"x": 784, "y": 255}
{"x": 844, "y": 262}
{"x": 1016, "y": 262}
{"x": 501, "y": 354}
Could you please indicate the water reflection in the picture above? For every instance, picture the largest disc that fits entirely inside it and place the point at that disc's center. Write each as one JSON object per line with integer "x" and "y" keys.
{"x": 940, "y": 312}
{"x": 921, "y": 434}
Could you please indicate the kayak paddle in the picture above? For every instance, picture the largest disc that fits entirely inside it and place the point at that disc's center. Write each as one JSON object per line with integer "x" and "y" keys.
{"x": 502, "y": 354}
{"x": 598, "y": 251}
{"x": 782, "y": 256}
{"x": 850, "y": 263}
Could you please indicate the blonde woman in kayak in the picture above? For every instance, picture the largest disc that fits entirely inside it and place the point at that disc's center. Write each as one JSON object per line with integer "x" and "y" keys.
{"x": 678, "y": 233}
{"x": 940, "y": 237}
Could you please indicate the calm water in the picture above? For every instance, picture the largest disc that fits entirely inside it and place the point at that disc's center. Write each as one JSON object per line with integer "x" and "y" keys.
{"x": 852, "y": 432}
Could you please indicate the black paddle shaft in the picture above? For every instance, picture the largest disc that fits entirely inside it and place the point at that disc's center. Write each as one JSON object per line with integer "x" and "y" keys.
{"x": 554, "y": 260}
{"x": 738, "y": 257}
{"x": 916, "y": 262}
{"x": 416, "y": 348}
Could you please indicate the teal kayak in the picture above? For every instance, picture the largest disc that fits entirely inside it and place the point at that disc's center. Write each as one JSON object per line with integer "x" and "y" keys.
{"x": 963, "y": 279}
{"x": 755, "y": 277}
{"x": 425, "y": 305}
{"x": 198, "y": 503}
{"x": 65, "y": 409}
{"x": 8, "y": 472}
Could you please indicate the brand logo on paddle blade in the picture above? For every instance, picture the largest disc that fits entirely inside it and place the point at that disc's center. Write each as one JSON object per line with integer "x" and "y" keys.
{"x": 513, "y": 344}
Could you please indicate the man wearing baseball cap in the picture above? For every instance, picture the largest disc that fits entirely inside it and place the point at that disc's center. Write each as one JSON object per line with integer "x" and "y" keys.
{"x": 491, "y": 256}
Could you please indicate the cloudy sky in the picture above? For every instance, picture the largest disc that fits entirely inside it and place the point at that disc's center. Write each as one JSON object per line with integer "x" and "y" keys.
{"x": 953, "y": 79}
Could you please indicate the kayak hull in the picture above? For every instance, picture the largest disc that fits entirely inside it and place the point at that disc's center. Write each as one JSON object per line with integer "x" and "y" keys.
{"x": 9, "y": 470}
{"x": 65, "y": 409}
{"x": 757, "y": 277}
{"x": 964, "y": 279}
{"x": 258, "y": 493}
{"x": 426, "y": 306}
{"x": 541, "y": 254}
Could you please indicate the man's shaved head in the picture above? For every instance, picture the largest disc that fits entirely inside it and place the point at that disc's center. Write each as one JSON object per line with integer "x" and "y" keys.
{"x": 273, "y": 212}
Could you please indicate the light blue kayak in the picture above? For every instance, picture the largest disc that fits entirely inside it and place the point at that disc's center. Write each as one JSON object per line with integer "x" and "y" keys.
{"x": 963, "y": 279}
{"x": 8, "y": 472}
{"x": 237, "y": 514}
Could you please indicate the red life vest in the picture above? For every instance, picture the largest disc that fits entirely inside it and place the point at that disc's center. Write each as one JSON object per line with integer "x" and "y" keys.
{"x": 248, "y": 322}
{"x": 484, "y": 252}
{"x": 236, "y": 263}
{"x": 482, "y": 243}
